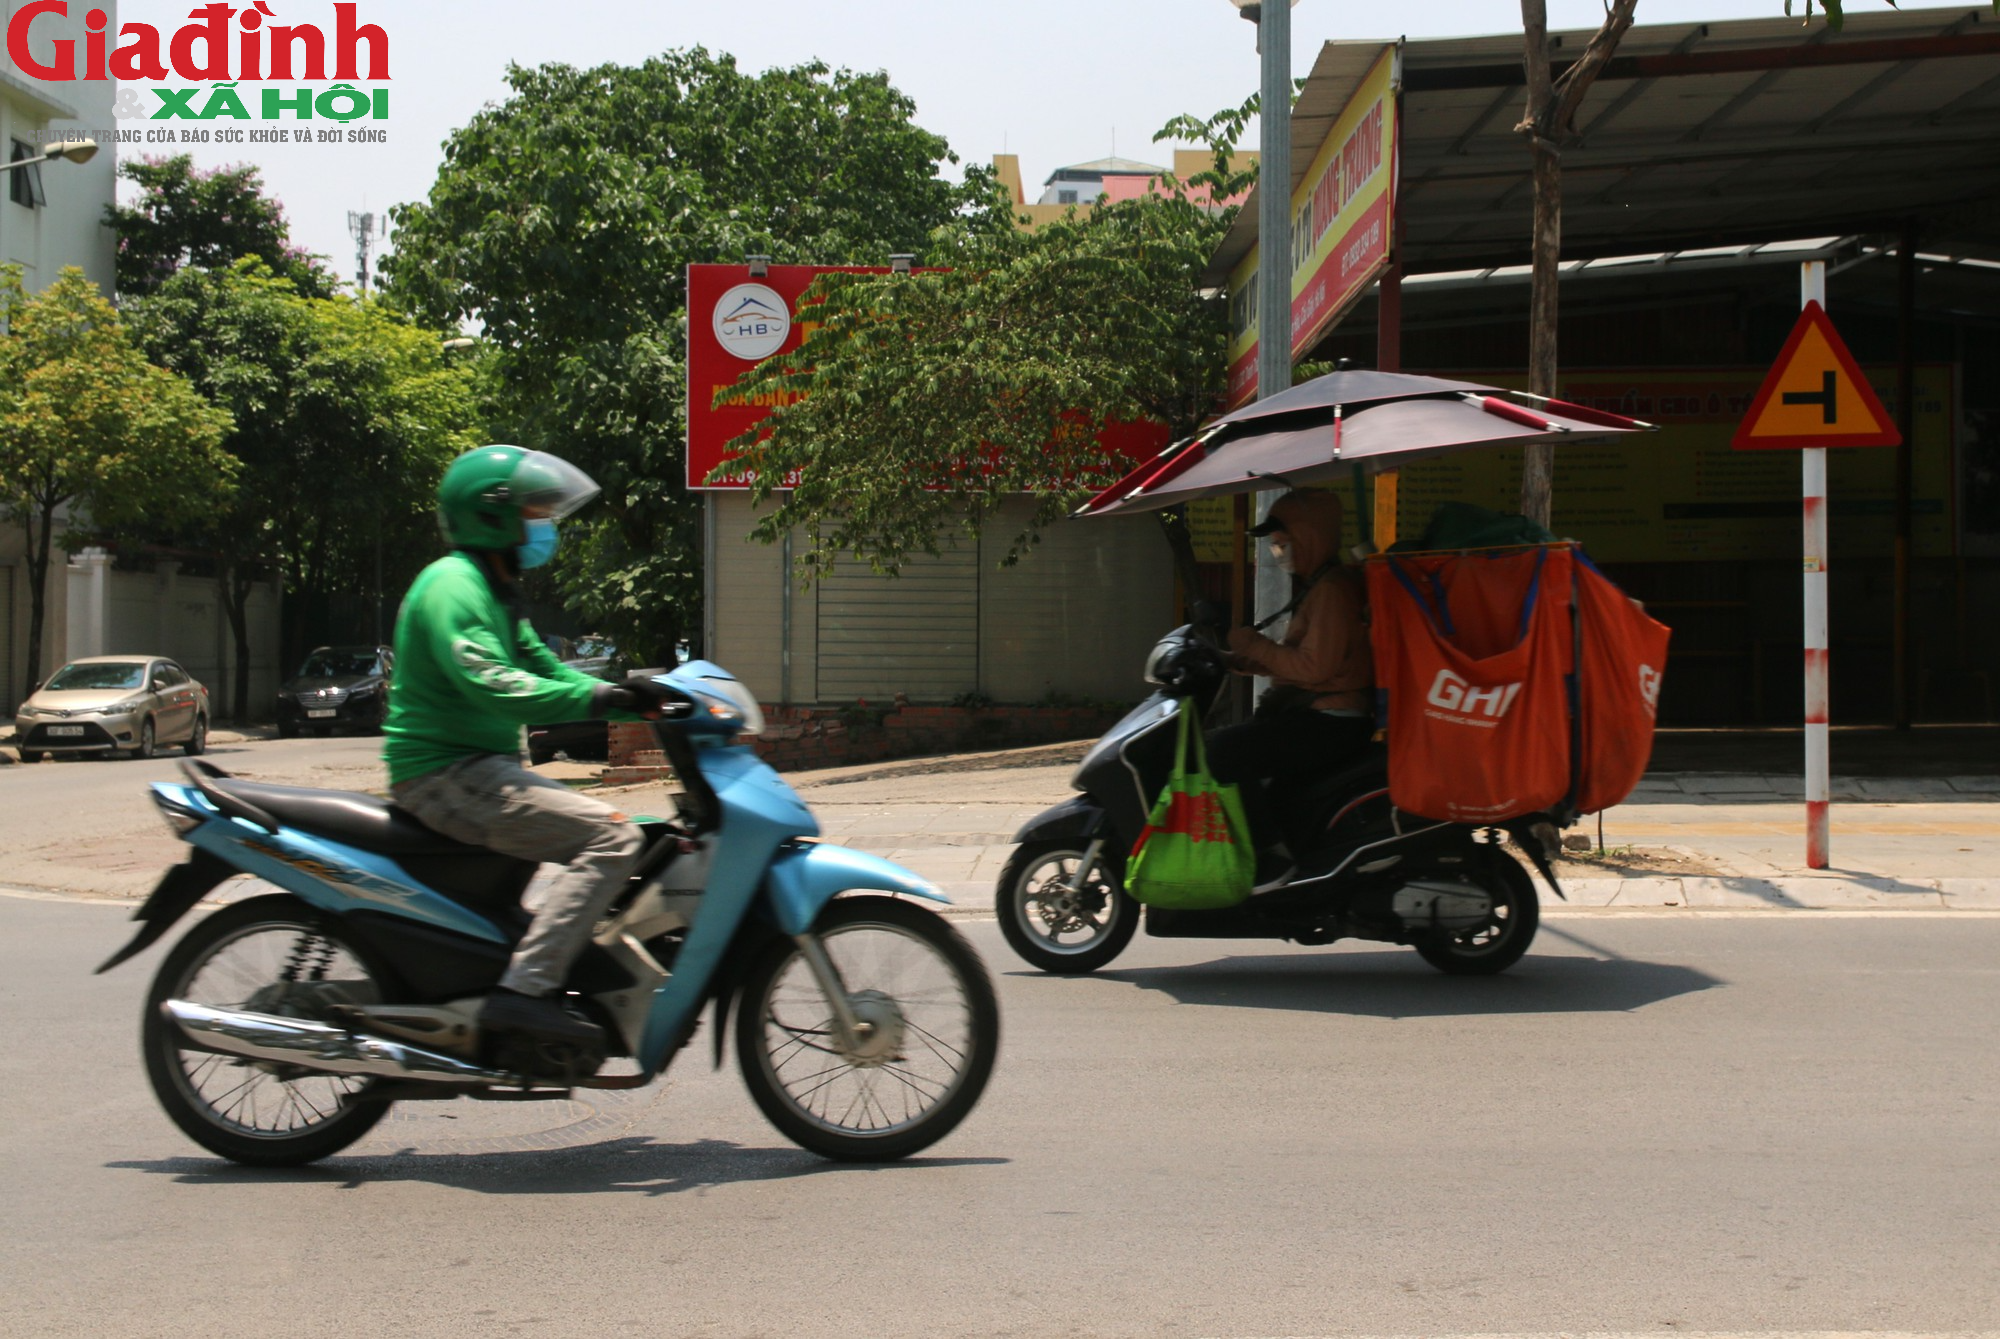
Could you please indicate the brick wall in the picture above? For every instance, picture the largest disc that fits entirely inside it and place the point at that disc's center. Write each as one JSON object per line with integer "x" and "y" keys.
{"x": 803, "y": 738}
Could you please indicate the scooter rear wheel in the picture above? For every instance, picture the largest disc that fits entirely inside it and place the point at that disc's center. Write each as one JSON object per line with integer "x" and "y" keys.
{"x": 271, "y": 955}
{"x": 1059, "y": 919}
{"x": 1509, "y": 929}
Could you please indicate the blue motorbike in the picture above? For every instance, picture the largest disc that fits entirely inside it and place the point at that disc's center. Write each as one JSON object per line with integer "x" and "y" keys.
{"x": 282, "y": 1027}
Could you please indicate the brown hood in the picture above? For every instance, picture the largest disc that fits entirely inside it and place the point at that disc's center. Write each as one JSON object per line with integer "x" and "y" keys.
{"x": 1311, "y": 516}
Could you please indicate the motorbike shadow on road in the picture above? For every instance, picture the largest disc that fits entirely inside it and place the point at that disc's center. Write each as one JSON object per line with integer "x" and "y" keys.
{"x": 630, "y": 1165}
{"x": 1386, "y": 985}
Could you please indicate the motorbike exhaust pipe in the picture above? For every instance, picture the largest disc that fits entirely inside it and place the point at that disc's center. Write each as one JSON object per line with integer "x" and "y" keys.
{"x": 320, "y": 1047}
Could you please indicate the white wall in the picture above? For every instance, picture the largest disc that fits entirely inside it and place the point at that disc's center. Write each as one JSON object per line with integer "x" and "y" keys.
{"x": 70, "y": 229}
{"x": 166, "y": 612}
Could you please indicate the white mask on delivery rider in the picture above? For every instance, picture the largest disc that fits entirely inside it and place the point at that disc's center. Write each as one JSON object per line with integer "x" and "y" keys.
{"x": 1281, "y": 553}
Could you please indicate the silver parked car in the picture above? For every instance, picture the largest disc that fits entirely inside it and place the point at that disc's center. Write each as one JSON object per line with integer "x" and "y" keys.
{"x": 110, "y": 704}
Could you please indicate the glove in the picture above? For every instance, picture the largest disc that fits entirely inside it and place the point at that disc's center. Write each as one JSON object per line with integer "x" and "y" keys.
{"x": 643, "y": 696}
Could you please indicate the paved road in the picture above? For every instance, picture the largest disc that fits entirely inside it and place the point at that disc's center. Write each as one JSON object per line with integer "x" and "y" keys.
{"x": 1748, "y": 1124}
{"x": 88, "y": 825}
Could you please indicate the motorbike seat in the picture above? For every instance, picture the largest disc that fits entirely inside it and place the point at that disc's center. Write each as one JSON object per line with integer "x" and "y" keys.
{"x": 488, "y": 880}
{"x": 1320, "y": 800}
{"x": 358, "y": 820}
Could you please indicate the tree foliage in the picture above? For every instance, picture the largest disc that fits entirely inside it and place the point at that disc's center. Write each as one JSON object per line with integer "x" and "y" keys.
{"x": 987, "y": 380}
{"x": 87, "y": 424}
{"x": 207, "y": 218}
{"x": 345, "y": 417}
{"x": 563, "y": 220}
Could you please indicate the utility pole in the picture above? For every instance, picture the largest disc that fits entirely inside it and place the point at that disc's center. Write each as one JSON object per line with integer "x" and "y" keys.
{"x": 362, "y": 228}
{"x": 1274, "y": 250}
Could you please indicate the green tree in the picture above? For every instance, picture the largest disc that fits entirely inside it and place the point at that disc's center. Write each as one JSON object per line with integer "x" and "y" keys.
{"x": 345, "y": 417}
{"x": 209, "y": 218}
{"x": 991, "y": 379}
{"x": 563, "y": 221}
{"x": 86, "y": 423}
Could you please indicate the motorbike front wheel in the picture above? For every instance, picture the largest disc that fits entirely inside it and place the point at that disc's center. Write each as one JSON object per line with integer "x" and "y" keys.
{"x": 1059, "y": 917}
{"x": 930, "y": 1028}
{"x": 269, "y": 955}
{"x": 1509, "y": 928}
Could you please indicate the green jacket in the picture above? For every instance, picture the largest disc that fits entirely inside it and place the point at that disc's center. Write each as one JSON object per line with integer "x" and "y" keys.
{"x": 469, "y": 675}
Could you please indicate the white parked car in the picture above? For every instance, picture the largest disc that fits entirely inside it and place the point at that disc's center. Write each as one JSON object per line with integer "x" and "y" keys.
{"x": 112, "y": 704}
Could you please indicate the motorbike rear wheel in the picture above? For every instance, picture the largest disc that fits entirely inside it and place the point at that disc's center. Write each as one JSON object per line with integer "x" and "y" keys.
{"x": 1509, "y": 928}
{"x": 270, "y": 955}
{"x": 1058, "y": 919}
{"x": 933, "y": 1029}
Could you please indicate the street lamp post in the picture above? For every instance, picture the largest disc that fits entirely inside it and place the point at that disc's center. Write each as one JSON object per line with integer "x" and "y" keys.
{"x": 1274, "y": 247}
{"x": 76, "y": 150}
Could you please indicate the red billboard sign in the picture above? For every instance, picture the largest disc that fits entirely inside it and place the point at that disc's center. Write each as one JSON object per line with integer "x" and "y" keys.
{"x": 736, "y": 320}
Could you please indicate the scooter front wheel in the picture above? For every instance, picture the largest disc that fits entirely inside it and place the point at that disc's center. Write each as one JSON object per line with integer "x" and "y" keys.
{"x": 928, "y": 1028}
{"x": 1062, "y": 918}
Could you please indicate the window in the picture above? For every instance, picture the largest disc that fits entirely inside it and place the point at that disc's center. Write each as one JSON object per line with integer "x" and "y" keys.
{"x": 1065, "y": 197}
{"x": 24, "y": 184}
{"x": 90, "y": 675}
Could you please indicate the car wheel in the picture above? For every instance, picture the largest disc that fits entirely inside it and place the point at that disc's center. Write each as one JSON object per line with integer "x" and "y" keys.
{"x": 144, "y": 749}
{"x": 197, "y": 743}
{"x": 29, "y": 755}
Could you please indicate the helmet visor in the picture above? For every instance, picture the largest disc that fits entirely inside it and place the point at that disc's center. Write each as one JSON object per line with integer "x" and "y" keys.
{"x": 548, "y": 486}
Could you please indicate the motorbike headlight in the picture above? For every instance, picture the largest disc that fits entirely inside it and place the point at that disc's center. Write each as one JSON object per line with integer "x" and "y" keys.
{"x": 739, "y": 702}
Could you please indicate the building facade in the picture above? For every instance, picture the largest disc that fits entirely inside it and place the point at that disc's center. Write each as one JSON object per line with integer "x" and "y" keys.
{"x": 52, "y": 217}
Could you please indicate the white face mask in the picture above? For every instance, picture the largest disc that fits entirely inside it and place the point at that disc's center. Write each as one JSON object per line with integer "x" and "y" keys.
{"x": 1281, "y": 552}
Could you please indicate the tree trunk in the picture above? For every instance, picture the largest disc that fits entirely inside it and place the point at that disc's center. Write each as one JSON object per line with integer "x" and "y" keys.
{"x": 235, "y": 589}
{"x": 1551, "y": 113}
{"x": 39, "y": 547}
{"x": 1538, "y": 463}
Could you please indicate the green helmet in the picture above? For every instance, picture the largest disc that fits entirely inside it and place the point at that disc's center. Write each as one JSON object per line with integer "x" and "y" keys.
{"x": 485, "y": 492}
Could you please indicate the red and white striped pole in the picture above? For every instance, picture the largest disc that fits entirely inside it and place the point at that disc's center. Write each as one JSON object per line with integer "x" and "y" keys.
{"x": 1812, "y": 288}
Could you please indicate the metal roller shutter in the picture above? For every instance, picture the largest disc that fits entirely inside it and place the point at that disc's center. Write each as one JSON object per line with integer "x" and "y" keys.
{"x": 916, "y": 634}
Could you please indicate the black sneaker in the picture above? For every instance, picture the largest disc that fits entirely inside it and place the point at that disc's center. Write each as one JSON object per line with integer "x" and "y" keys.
{"x": 537, "y": 1018}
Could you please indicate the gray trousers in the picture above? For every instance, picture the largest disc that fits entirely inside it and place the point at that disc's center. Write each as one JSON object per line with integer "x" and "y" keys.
{"x": 491, "y": 800}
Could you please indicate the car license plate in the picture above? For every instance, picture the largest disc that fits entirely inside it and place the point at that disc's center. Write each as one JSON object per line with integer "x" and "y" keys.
{"x": 66, "y": 730}
{"x": 323, "y": 714}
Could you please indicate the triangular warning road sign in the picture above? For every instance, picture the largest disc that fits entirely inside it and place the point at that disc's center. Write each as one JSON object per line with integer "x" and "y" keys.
{"x": 1815, "y": 396}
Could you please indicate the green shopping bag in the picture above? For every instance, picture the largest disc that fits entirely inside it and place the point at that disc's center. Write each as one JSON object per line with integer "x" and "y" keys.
{"x": 1195, "y": 853}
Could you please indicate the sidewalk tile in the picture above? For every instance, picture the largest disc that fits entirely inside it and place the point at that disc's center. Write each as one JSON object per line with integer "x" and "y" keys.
{"x": 1736, "y": 892}
{"x": 1971, "y": 894}
{"x": 1587, "y": 893}
{"x": 1902, "y": 789}
{"x": 1724, "y": 783}
{"x": 1851, "y": 892}
{"x": 1975, "y": 785}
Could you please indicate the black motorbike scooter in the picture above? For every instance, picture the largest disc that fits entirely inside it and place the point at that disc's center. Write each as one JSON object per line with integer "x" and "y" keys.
{"x": 1453, "y": 892}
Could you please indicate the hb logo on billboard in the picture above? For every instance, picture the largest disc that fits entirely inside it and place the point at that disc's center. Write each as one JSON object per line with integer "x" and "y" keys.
{"x": 1454, "y": 694}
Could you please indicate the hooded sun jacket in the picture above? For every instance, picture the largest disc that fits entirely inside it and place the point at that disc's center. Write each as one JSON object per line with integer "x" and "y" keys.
{"x": 1325, "y": 648}
{"x": 470, "y": 673}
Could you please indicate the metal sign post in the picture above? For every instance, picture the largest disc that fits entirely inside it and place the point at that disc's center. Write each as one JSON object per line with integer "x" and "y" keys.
{"x": 1812, "y": 288}
{"x": 1814, "y": 398}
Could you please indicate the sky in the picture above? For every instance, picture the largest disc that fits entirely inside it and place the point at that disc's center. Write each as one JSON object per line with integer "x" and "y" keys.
{"x": 1053, "y": 81}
